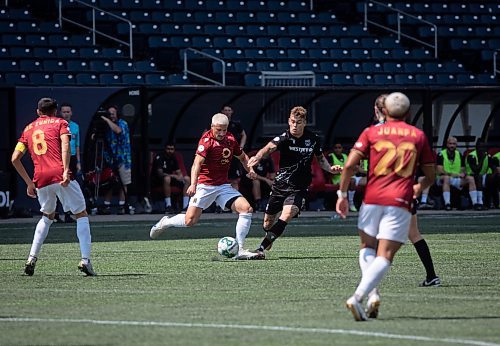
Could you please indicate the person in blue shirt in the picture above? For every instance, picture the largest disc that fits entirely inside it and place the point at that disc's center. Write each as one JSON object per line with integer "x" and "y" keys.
{"x": 67, "y": 113}
{"x": 119, "y": 155}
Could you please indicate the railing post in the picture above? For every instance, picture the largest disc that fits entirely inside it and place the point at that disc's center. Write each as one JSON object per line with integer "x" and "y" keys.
{"x": 93, "y": 26}
{"x": 60, "y": 14}
{"x": 495, "y": 55}
{"x": 131, "y": 41}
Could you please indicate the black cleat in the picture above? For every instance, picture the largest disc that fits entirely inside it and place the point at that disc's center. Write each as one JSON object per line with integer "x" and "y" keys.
{"x": 29, "y": 267}
{"x": 447, "y": 207}
{"x": 436, "y": 282}
{"x": 86, "y": 268}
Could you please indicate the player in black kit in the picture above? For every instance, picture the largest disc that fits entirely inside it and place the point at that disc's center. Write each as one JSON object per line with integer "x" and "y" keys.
{"x": 297, "y": 145}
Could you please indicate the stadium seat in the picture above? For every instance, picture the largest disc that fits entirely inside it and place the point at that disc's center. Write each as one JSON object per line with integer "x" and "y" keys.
{"x": 64, "y": 79}
{"x": 133, "y": 79}
{"x": 87, "y": 79}
{"x": 156, "y": 79}
{"x": 110, "y": 79}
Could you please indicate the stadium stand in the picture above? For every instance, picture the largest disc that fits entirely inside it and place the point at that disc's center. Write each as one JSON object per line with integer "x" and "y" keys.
{"x": 252, "y": 36}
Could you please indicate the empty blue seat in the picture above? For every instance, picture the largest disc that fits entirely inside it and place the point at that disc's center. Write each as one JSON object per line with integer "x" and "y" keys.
{"x": 145, "y": 65}
{"x": 363, "y": 79}
{"x": 21, "y": 52}
{"x": 404, "y": 79}
{"x": 178, "y": 79}
{"x": 123, "y": 65}
{"x": 156, "y": 79}
{"x": 446, "y": 79}
{"x": 87, "y": 79}
{"x": 64, "y": 78}
{"x": 265, "y": 66}
{"x": 287, "y": 66}
{"x": 30, "y": 65}
{"x": 110, "y": 79}
{"x": 9, "y": 65}
{"x": 351, "y": 66}
{"x": 133, "y": 79}
{"x": 100, "y": 65}
{"x": 17, "y": 78}
{"x": 330, "y": 66}
{"x": 425, "y": 79}
{"x": 342, "y": 79}
{"x": 39, "y": 78}
{"x": 372, "y": 67}
{"x": 77, "y": 65}
{"x": 288, "y": 42}
{"x": 253, "y": 79}
{"x": 383, "y": 79}
{"x": 54, "y": 65}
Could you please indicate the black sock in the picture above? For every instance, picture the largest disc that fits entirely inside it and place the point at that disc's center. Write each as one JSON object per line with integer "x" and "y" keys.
{"x": 425, "y": 256}
{"x": 272, "y": 234}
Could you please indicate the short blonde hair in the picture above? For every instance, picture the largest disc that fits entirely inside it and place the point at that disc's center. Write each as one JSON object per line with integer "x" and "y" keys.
{"x": 299, "y": 112}
{"x": 397, "y": 104}
{"x": 220, "y": 119}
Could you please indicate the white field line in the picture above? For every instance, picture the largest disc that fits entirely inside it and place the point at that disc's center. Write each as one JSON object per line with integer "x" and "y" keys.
{"x": 155, "y": 292}
{"x": 254, "y": 327}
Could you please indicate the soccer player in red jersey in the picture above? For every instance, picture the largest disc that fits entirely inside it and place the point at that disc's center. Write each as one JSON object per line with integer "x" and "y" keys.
{"x": 47, "y": 140}
{"x": 394, "y": 150}
{"x": 209, "y": 183}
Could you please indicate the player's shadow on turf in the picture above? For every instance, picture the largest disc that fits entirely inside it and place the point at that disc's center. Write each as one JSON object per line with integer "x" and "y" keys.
{"x": 428, "y": 318}
{"x": 307, "y": 257}
{"x": 125, "y": 274}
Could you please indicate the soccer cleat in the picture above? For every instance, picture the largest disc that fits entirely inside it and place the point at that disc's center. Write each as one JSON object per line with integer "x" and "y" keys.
{"x": 29, "y": 267}
{"x": 169, "y": 210}
{"x": 355, "y": 307}
{"x": 86, "y": 268}
{"x": 447, "y": 207}
{"x": 353, "y": 209}
{"x": 248, "y": 255}
{"x": 436, "y": 282}
{"x": 159, "y": 228}
{"x": 372, "y": 306}
{"x": 425, "y": 206}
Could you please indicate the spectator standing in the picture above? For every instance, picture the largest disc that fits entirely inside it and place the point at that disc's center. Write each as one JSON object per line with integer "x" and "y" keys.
{"x": 118, "y": 156}
{"x": 167, "y": 172}
{"x": 234, "y": 127}
{"x": 47, "y": 140}
{"x": 339, "y": 158}
{"x": 385, "y": 214}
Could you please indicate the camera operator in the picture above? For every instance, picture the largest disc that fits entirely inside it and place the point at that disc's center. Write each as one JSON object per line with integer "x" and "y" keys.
{"x": 118, "y": 156}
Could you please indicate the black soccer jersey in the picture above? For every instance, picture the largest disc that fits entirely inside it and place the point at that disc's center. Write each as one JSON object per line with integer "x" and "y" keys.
{"x": 296, "y": 156}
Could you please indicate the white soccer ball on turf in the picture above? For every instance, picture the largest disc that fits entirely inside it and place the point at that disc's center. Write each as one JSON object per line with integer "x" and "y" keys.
{"x": 227, "y": 247}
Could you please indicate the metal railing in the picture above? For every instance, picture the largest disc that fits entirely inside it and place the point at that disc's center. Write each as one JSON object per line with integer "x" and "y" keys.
{"x": 401, "y": 15}
{"x": 198, "y": 52}
{"x": 496, "y": 68}
{"x": 93, "y": 27}
{"x": 288, "y": 78}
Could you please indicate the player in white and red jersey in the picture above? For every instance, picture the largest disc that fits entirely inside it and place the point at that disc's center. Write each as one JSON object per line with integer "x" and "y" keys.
{"x": 47, "y": 140}
{"x": 394, "y": 150}
{"x": 209, "y": 183}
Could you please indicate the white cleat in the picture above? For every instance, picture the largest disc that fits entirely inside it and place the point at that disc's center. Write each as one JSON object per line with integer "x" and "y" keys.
{"x": 372, "y": 306}
{"x": 248, "y": 255}
{"x": 159, "y": 227}
{"x": 355, "y": 307}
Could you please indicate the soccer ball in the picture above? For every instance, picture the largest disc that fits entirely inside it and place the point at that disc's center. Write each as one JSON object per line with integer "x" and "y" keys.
{"x": 227, "y": 247}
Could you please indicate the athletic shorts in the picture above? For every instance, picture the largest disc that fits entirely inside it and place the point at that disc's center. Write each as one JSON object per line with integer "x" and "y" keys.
{"x": 207, "y": 194}
{"x": 455, "y": 181}
{"x": 125, "y": 175}
{"x": 71, "y": 198}
{"x": 278, "y": 199}
{"x": 385, "y": 222}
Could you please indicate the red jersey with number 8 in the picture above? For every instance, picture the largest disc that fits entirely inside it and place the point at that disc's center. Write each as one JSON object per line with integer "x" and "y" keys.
{"x": 218, "y": 156}
{"x": 42, "y": 138}
{"x": 394, "y": 150}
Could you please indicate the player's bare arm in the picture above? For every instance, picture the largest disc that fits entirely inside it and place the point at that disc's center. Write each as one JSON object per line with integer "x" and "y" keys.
{"x": 244, "y": 161}
{"x": 264, "y": 152}
{"x": 349, "y": 170}
{"x": 325, "y": 165}
{"x": 65, "y": 155}
{"x": 17, "y": 155}
{"x": 195, "y": 172}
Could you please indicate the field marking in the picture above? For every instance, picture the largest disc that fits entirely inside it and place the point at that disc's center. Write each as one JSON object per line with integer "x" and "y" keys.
{"x": 254, "y": 327}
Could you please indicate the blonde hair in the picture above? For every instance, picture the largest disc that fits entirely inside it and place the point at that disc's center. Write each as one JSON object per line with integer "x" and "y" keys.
{"x": 397, "y": 104}
{"x": 299, "y": 112}
{"x": 220, "y": 119}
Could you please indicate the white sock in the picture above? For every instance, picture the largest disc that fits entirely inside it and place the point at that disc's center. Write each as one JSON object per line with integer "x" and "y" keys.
{"x": 185, "y": 202}
{"x": 446, "y": 197}
{"x": 84, "y": 237}
{"x": 480, "y": 197}
{"x": 372, "y": 277}
{"x": 41, "y": 231}
{"x": 107, "y": 203}
{"x": 350, "y": 197}
{"x": 473, "y": 196}
{"x": 168, "y": 202}
{"x": 424, "y": 198}
{"x": 242, "y": 228}
{"x": 366, "y": 257}
{"x": 178, "y": 220}
{"x": 121, "y": 203}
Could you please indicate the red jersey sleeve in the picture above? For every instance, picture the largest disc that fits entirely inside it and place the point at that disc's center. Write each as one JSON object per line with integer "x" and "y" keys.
{"x": 237, "y": 151}
{"x": 363, "y": 143}
{"x": 203, "y": 146}
{"x": 64, "y": 128}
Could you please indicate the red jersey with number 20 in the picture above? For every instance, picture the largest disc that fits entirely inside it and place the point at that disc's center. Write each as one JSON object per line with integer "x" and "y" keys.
{"x": 394, "y": 150}
{"x": 218, "y": 156}
{"x": 42, "y": 138}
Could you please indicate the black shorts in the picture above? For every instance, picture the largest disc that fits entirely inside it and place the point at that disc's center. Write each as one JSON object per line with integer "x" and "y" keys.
{"x": 177, "y": 183}
{"x": 235, "y": 169}
{"x": 278, "y": 199}
{"x": 414, "y": 207}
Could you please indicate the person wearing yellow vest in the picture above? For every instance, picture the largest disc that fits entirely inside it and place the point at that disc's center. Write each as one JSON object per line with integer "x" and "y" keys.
{"x": 338, "y": 158}
{"x": 495, "y": 159}
{"x": 478, "y": 164}
{"x": 450, "y": 167}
